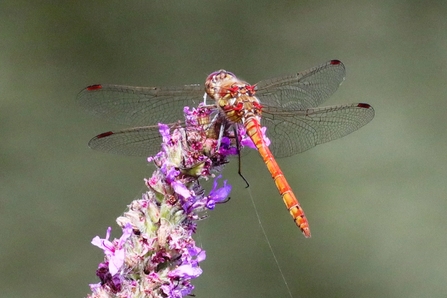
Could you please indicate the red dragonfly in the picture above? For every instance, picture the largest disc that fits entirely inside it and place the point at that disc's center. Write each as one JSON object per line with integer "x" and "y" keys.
{"x": 289, "y": 107}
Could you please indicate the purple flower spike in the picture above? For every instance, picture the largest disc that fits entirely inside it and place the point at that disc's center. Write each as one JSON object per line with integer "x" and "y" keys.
{"x": 156, "y": 255}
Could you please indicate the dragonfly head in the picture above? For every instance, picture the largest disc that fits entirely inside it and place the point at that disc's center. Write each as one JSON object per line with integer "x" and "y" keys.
{"x": 218, "y": 83}
{"x": 223, "y": 84}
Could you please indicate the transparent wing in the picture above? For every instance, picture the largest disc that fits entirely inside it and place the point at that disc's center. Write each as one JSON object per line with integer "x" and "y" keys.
{"x": 306, "y": 89}
{"x": 138, "y": 141}
{"x": 292, "y": 132}
{"x": 139, "y": 106}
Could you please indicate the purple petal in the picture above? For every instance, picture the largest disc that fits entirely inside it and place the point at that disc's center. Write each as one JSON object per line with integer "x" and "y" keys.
{"x": 264, "y": 135}
{"x": 185, "y": 271}
{"x": 95, "y": 287}
{"x": 116, "y": 261}
{"x": 127, "y": 231}
{"x": 171, "y": 174}
{"x": 176, "y": 290}
{"x": 218, "y": 195}
{"x": 181, "y": 189}
{"x": 164, "y": 132}
{"x": 104, "y": 244}
{"x": 226, "y": 148}
{"x": 201, "y": 256}
{"x": 246, "y": 141}
{"x": 114, "y": 251}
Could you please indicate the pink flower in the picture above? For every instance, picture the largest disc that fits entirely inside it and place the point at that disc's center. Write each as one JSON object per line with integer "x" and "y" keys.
{"x": 114, "y": 251}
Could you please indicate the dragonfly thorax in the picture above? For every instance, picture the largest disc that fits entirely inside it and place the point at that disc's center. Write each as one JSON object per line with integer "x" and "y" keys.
{"x": 238, "y": 109}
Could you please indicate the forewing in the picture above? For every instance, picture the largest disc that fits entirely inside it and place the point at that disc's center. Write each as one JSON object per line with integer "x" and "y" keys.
{"x": 297, "y": 131}
{"x": 306, "y": 89}
{"x": 139, "y": 106}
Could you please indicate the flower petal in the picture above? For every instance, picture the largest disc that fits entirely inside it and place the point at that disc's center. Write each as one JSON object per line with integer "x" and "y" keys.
{"x": 181, "y": 189}
{"x": 218, "y": 195}
{"x": 185, "y": 271}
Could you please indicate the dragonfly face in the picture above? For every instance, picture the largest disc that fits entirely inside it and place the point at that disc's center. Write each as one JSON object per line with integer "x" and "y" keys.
{"x": 218, "y": 83}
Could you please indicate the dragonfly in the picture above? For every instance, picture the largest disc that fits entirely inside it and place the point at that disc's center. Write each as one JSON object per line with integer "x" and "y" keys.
{"x": 288, "y": 106}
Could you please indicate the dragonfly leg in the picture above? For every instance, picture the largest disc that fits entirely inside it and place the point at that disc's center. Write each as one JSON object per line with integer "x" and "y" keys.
{"x": 224, "y": 201}
{"x": 238, "y": 146}
{"x": 219, "y": 140}
{"x": 240, "y": 173}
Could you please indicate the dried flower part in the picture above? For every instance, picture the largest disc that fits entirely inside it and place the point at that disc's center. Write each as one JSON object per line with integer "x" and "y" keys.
{"x": 156, "y": 255}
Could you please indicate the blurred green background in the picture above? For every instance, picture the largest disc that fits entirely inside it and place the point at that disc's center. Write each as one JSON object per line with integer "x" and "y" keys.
{"x": 376, "y": 199}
